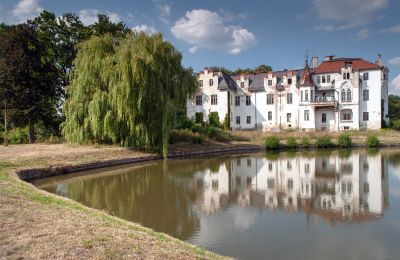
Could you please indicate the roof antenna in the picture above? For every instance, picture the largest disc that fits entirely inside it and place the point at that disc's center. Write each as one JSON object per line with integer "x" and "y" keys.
{"x": 306, "y": 57}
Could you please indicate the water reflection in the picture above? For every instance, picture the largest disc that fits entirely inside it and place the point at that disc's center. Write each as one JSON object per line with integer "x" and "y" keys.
{"x": 232, "y": 204}
{"x": 333, "y": 187}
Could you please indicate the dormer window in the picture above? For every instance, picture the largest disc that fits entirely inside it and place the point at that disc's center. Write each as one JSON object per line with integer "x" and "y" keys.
{"x": 323, "y": 79}
{"x": 346, "y": 75}
{"x": 289, "y": 81}
{"x": 365, "y": 76}
{"x": 200, "y": 83}
{"x": 211, "y": 82}
{"x": 242, "y": 84}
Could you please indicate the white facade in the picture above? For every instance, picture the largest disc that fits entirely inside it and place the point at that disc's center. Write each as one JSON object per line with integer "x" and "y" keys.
{"x": 339, "y": 94}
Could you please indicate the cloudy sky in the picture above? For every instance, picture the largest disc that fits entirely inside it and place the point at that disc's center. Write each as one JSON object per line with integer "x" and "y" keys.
{"x": 236, "y": 33}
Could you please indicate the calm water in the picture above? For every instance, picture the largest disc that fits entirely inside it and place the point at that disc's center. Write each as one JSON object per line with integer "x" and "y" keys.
{"x": 331, "y": 205}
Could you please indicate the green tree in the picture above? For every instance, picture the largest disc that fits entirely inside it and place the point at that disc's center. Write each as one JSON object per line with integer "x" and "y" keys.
{"x": 394, "y": 108}
{"x": 262, "y": 68}
{"x": 221, "y": 69}
{"x": 127, "y": 92}
{"x": 26, "y": 76}
{"x": 105, "y": 26}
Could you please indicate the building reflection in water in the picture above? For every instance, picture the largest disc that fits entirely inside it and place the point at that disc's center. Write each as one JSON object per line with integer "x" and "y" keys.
{"x": 349, "y": 188}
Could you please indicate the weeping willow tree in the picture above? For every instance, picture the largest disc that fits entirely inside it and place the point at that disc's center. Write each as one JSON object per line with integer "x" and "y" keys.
{"x": 126, "y": 92}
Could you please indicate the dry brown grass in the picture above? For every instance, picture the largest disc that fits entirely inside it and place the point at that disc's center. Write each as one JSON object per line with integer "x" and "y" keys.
{"x": 36, "y": 224}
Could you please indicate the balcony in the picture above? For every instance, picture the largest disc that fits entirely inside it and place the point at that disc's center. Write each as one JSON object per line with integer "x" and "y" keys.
{"x": 321, "y": 101}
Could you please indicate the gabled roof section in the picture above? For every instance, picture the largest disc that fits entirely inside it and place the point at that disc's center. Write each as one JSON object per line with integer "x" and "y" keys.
{"x": 335, "y": 65}
{"x": 226, "y": 82}
{"x": 307, "y": 79}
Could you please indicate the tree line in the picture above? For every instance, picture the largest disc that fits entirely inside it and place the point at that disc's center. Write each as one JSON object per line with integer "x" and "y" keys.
{"x": 262, "y": 68}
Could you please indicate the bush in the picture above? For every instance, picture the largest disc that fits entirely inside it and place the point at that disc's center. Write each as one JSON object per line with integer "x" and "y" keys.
{"x": 19, "y": 135}
{"x": 323, "y": 142}
{"x": 396, "y": 124}
{"x": 291, "y": 142}
{"x": 180, "y": 135}
{"x": 344, "y": 140}
{"x": 272, "y": 142}
{"x": 184, "y": 123}
{"x": 372, "y": 141}
{"x": 199, "y": 118}
{"x": 197, "y": 139}
{"x": 226, "y": 125}
{"x": 305, "y": 142}
{"x": 213, "y": 119}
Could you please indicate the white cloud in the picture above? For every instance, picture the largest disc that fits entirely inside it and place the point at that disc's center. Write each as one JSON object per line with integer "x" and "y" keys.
{"x": 393, "y": 29}
{"x": 164, "y": 11}
{"x": 395, "y": 84}
{"x": 362, "y": 34}
{"x": 144, "y": 28}
{"x": 395, "y": 61}
{"x": 89, "y": 16}
{"x": 193, "y": 49}
{"x": 203, "y": 28}
{"x": 347, "y": 14}
{"x": 26, "y": 9}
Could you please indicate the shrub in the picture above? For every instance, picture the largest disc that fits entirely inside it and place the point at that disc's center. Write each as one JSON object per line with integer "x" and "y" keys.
{"x": 272, "y": 142}
{"x": 344, "y": 140}
{"x": 323, "y": 142}
{"x": 19, "y": 135}
{"x": 184, "y": 123}
{"x": 396, "y": 124}
{"x": 199, "y": 118}
{"x": 291, "y": 142}
{"x": 372, "y": 141}
{"x": 213, "y": 119}
{"x": 180, "y": 135}
{"x": 197, "y": 139}
{"x": 226, "y": 125}
{"x": 305, "y": 142}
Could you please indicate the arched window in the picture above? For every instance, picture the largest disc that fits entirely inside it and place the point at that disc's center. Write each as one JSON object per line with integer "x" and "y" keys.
{"x": 346, "y": 93}
{"x": 346, "y": 115}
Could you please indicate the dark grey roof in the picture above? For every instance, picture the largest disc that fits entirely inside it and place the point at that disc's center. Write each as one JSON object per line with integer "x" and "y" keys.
{"x": 226, "y": 82}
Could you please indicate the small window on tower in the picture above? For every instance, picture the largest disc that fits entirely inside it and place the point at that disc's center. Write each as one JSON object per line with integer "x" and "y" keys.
{"x": 211, "y": 82}
{"x": 200, "y": 83}
{"x": 242, "y": 84}
{"x": 289, "y": 81}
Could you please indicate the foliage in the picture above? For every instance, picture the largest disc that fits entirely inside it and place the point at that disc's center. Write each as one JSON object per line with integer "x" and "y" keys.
{"x": 197, "y": 139}
{"x": 18, "y": 135}
{"x": 344, "y": 140}
{"x": 213, "y": 119}
{"x": 28, "y": 77}
{"x": 220, "y": 69}
{"x": 199, "y": 118}
{"x": 305, "y": 142}
{"x": 396, "y": 124}
{"x": 259, "y": 69}
{"x": 372, "y": 140}
{"x": 323, "y": 142}
{"x": 183, "y": 122}
{"x": 394, "y": 108}
{"x": 126, "y": 92}
{"x": 291, "y": 142}
{"x": 226, "y": 124}
{"x": 272, "y": 142}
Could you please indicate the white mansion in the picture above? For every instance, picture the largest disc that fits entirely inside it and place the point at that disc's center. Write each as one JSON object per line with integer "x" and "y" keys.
{"x": 338, "y": 94}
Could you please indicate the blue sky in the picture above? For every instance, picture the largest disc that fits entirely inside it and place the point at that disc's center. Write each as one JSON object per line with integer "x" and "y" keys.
{"x": 236, "y": 33}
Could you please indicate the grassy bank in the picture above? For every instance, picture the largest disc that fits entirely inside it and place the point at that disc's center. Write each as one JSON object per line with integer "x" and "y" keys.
{"x": 36, "y": 224}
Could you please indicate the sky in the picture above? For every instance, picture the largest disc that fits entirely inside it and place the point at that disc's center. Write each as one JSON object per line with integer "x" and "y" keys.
{"x": 236, "y": 33}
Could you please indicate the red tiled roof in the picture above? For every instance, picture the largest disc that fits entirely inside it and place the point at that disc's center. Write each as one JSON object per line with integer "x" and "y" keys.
{"x": 307, "y": 79}
{"x": 336, "y": 64}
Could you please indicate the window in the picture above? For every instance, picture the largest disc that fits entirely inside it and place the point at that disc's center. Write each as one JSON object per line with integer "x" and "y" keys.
{"x": 289, "y": 81}
{"x": 289, "y": 117}
{"x": 271, "y": 183}
{"x": 270, "y": 166}
{"x": 270, "y": 99}
{"x": 347, "y": 115}
{"x": 318, "y": 79}
{"x": 385, "y": 76}
{"x": 249, "y": 162}
{"x": 289, "y": 98}
{"x": 238, "y": 120}
{"x": 346, "y": 95}
{"x": 306, "y": 115}
{"x": 346, "y": 75}
{"x": 214, "y": 99}
{"x": 248, "y": 100}
{"x": 269, "y": 116}
{"x": 248, "y": 120}
{"x": 270, "y": 82}
{"x": 328, "y": 78}
{"x": 365, "y": 94}
{"x": 365, "y": 116}
{"x": 237, "y": 101}
{"x": 323, "y": 79}
{"x": 200, "y": 83}
{"x": 199, "y": 100}
{"x": 302, "y": 98}
{"x": 290, "y": 184}
{"x": 242, "y": 84}
{"x": 323, "y": 117}
{"x": 365, "y": 76}
{"x": 312, "y": 95}
{"x": 306, "y": 95}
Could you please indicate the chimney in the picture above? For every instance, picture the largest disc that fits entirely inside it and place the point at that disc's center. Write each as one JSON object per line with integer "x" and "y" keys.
{"x": 329, "y": 58}
{"x": 379, "y": 60}
{"x": 205, "y": 70}
{"x": 314, "y": 62}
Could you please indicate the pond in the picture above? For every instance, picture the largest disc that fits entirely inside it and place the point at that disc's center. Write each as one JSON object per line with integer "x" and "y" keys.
{"x": 330, "y": 205}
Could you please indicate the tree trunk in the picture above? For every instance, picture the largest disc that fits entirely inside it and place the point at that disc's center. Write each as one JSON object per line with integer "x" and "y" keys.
{"x": 31, "y": 130}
